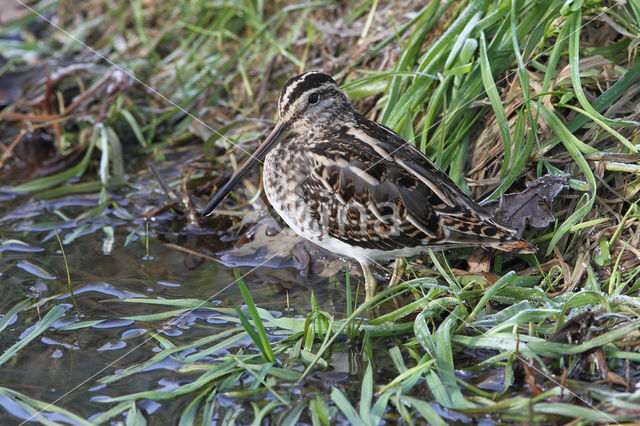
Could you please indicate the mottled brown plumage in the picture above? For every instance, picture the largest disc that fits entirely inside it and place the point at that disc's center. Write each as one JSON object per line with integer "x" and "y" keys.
{"x": 358, "y": 189}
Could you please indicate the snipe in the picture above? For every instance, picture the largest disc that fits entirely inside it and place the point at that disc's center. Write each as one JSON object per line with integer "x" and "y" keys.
{"x": 358, "y": 189}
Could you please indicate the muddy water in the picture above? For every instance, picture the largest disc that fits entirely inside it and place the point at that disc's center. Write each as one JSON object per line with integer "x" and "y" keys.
{"x": 109, "y": 263}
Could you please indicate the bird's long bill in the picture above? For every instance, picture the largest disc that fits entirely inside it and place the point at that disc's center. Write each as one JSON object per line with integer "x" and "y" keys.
{"x": 262, "y": 150}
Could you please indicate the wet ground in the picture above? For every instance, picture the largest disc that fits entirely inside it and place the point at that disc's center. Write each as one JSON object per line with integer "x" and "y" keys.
{"x": 114, "y": 256}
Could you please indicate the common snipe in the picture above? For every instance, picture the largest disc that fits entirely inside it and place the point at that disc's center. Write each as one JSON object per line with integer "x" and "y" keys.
{"x": 358, "y": 189}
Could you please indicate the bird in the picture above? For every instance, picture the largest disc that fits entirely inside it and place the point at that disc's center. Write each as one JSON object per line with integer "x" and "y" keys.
{"x": 358, "y": 189}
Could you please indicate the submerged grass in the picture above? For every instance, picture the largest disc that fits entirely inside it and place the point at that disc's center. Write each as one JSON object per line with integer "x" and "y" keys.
{"x": 496, "y": 92}
{"x": 515, "y": 331}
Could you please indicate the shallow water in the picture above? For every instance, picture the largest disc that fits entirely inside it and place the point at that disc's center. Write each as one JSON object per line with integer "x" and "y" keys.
{"x": 109, "y": 263}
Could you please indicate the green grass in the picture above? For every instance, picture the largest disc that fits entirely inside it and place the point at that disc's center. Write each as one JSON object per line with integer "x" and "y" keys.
{"x": 496, "y": 92}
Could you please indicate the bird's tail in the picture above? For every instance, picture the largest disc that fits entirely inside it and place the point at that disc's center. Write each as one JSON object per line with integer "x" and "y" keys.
{"x": 517, "y": 246}
{"x": 485, "y": 232}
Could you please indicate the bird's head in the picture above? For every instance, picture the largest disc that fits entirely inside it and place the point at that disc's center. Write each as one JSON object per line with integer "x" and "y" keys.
{"x": 311, "y": 99}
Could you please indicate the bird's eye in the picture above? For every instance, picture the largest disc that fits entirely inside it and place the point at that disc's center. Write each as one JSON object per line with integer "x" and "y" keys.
{"x": 313, "y": 98}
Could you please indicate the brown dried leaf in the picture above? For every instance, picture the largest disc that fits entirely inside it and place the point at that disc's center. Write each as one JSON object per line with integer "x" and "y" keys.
{"x": 584, "y": 64}
{"x": 530, "y": 205}
{"x": 479, "y": 262}
{"x": 616, "y": 379}
{"x": 534, "y": 378}
{"x": 576, "y": 330}
{"x": 282, "y": 249}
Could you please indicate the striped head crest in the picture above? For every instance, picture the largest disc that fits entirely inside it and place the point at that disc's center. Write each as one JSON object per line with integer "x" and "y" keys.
{"x": 309, "y": 94}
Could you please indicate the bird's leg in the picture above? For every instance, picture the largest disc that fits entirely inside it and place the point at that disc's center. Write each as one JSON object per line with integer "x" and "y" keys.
{"x": 399, "y": 266}
{"x": 370, "y": 282}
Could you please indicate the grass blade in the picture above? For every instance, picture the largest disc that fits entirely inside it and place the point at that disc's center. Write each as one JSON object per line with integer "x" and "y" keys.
{"x": 345, "y": 406}
{"x": 257, "y": 321}
{"x": 58, "y": 178}
{"x": 251, "y": 331}
{"x": 366, "y": 395}
{"x": 574, "y": 146}
{"x": 52, "y": 316}
{"x": 496, "y": 103}
{"x": 574, "y": 46}
{"x": 426, "y": 411}
{"x": 15, "y": 309}
{"x": 35, "y": 407}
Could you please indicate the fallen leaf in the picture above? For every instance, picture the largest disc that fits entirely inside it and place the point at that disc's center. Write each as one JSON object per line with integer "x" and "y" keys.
{"x": 479, "y": 262}
{"x": 530, "y": 205}
{"x": 283, "y": 249}
{"x": 534, "y": 378}
{"x": 617, "y": 379}
{"x": 576, "y": 330}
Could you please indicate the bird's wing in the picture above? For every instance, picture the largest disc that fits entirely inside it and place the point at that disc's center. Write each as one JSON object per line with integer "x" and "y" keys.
{"x": 373, "y": 189}
{"x": 376, "y": 207}
{"x": 392, "y": 147}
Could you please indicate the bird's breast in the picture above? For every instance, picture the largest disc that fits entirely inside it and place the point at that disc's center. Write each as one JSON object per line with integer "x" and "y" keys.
{"x": 285, "y": 169}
